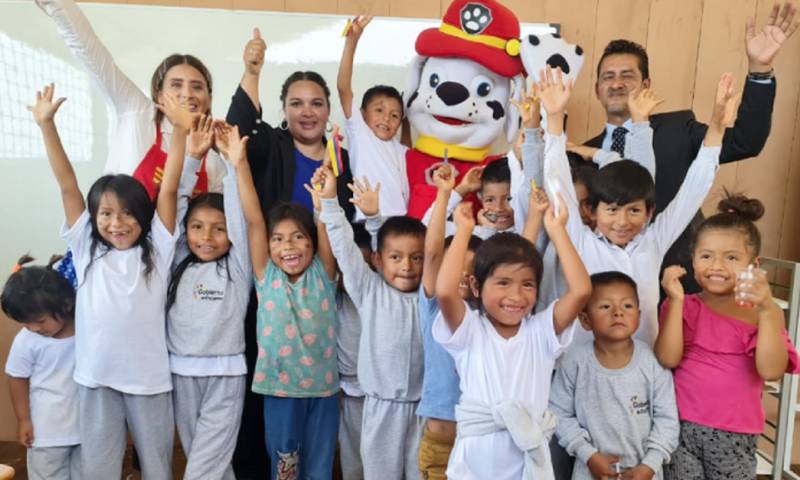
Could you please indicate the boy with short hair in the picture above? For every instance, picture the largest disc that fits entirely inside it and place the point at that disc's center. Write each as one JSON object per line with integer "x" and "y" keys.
{"x": 623, "y": 202}
{"x": 440, "y": 390}
{"x": 619, "y": 377}
{"x": 390, "y": 358}
{"x": 371, "y": 130}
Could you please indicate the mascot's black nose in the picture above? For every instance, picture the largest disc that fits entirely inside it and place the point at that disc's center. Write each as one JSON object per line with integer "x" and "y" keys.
{"x": 452, "y": 93}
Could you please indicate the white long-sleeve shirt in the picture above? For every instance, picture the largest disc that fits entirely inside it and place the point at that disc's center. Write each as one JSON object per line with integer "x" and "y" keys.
{"x": 641, "y": 258}
{"x": 133, "y": 129}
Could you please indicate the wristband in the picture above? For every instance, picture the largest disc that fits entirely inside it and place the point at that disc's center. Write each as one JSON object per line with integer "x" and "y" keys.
{"x": 762, "y": 75}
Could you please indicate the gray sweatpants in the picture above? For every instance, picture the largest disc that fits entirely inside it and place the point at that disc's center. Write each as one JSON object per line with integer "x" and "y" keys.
{"x": 54, "y": 463}
{"x": 207, "y": 414}
{"x": 104, "y": 414}
{"x": 350, "y": 437}
{"x": 390, "y": 436}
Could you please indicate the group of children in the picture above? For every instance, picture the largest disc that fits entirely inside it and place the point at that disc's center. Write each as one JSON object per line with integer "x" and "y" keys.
{"x": 448, "y": 347}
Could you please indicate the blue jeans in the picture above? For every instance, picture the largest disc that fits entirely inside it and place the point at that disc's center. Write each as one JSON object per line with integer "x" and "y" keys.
{"x": 301, "y": 436}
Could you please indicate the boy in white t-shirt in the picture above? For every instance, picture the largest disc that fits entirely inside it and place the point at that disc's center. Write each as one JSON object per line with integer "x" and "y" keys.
{"x": 39, "y": 368}
{"x": 375, "y": 153}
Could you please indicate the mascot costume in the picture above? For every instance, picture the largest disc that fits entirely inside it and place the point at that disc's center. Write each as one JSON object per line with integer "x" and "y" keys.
{"x": 462, "y": 80}
{"x": 458, "y": 95}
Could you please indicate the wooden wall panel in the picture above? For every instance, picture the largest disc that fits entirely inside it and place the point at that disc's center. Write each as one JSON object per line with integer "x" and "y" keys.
{"x": 414, "y": 8}
{"x": 765, "y": 176}
{"x": 362, "y": 7}
{"x": 721, "y": 50}
{"x": 525, "y": 10}
{"x": 673, "y": 56}
{"x": 578, "y": 29}
{"x": 168, "y": 3}
{"x": 310, "y": 6}
{"x": 626, "y": 19}
{"x": 790, "y": 233}
{"x": 225, "y": 4}
{"x": 269, "y": 5}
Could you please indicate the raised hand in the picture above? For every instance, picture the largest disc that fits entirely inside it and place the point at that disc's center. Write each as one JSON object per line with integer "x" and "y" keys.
{"x": 470, "y": 182}
{"x": 725, "y": 102}
{"x": 529, "y": 108}
{"x": 236, "y": 147}
{"x": 221, "y": 130}
{"x": 359, "y": 24}
{"x": 444, "y": 177}
{"x": 763, "y": 46}
{"x": 365, "y": 197}
{"x": 324, "y": 182}
{"x": 671, "y": 282}
{"x": 538, "y": 202}
{"x": 44, "y": 110}
{"x": 553, "y": 92}
{"x": 201, "y": 137}
{"x": 313, "y": 188}
{"x": 554, "y": 223}
{"x": 641, "y": 104}
{"x": 462, "y": 216}
{"x": 254, "y": 53}
{"x": 178, "y": 114}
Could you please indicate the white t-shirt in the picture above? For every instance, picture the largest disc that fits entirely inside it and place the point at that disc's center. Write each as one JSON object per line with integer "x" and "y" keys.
{"x": 493, "y": 369}
{"x": 120, "y": 330}
{"x": 48, "y": 364}
{"x": 379, "y": 160}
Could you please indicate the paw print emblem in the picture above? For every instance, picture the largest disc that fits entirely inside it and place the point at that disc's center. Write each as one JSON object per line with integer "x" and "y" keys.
{"x": 475, "y": 18}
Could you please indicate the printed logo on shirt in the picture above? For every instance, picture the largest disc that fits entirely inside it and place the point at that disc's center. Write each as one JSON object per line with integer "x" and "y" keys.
{"x": 203, "y": 293}
{"x": 639, "y": 407}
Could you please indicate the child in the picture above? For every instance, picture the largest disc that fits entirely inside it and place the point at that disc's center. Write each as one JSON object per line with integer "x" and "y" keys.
{"x": 206, "y": 304}
{"x": 504, "y": 355}
{"x": 371, "y": 130}
{"x": 352, "y": 397}
{"x": 390, "y": 359}
{"x": 620, "y": 377}
{"x": 296, "y": 370}
{"x": 122, "y": 252}
{"x": 623, "y": 201}
{"x": 39, "y": 368}
{"x": 722, "y": 343}
{"x": 440, "y": 382}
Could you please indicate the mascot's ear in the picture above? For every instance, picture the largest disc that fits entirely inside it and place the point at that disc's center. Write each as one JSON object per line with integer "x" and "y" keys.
{"x": 413, "y": 80}
{"x": 512, "y": 119}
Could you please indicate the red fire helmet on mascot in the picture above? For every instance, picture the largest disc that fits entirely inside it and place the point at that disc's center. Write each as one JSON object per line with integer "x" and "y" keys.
{"x": 484, "y": 31}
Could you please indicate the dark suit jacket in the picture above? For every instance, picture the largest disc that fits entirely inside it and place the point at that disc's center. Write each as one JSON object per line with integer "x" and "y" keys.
{"x": 677, "y": 137}
{"x": 270, "y": 152}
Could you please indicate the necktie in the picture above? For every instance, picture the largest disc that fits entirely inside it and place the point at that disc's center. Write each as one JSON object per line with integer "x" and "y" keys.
{"x": 618, "y": 140}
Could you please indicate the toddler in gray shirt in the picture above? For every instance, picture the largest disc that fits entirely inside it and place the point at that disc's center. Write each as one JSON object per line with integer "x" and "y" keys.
{"x": 615, "y": 404}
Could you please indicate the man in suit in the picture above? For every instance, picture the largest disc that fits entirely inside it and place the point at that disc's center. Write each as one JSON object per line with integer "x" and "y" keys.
{"x": 677, "y": 136}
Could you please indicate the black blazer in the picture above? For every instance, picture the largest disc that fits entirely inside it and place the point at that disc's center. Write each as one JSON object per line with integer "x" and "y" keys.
{"x": 677, "y": 137}
{"x": 270, "y": 152}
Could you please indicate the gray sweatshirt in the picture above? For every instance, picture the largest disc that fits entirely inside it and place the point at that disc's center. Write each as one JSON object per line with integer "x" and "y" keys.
{"x": 390, "y": 348}
{"x": 629, "y": 412}
{"x": 207, "y": 316}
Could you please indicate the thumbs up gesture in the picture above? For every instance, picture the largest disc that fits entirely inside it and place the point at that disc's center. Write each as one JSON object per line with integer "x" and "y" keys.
{"x": 254, "y": 53}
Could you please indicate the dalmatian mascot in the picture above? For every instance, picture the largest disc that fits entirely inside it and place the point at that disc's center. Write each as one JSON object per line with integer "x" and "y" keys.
{"x": 458, "y": 95}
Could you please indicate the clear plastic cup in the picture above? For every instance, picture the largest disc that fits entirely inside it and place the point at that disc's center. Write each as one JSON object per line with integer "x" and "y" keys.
{"x": 743, "y": 279}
